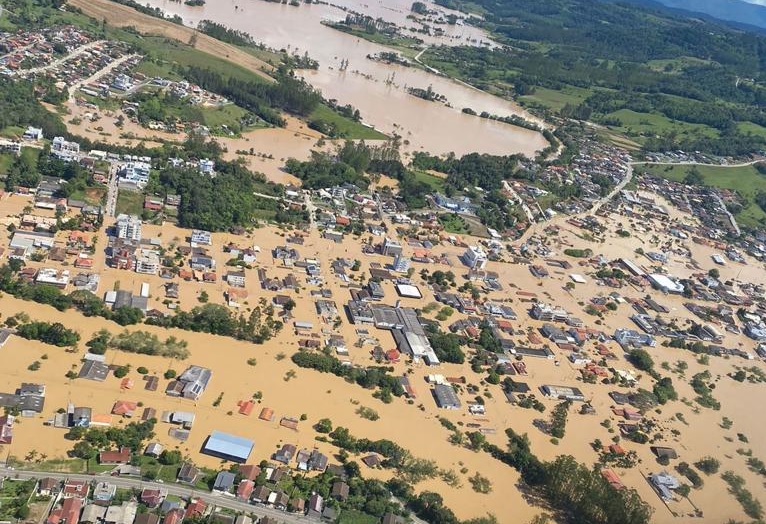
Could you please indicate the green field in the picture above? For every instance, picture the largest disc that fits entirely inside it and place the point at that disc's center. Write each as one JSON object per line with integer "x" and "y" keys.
{"x": 751, "y": 128}
{"x": 155, "y": 68}
{"x": 745, "y": 180}
{"x": 636, "y": 125}
{"x": 556, "y": 99}
{"x": 406, "y": 45}
{"x": 130, "y": 202}
{"x": 436, "y": 183}
{"x": 356, "y": 517}
{"x": 345, "y": 126}
{"x": 229, "y": 115}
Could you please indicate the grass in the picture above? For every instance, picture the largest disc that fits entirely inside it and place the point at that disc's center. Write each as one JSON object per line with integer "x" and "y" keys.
{"x": 751, "y": 128}
{"x": 434, "y": 182}
{"x": 745, "y": 180}
{"x": 155, "y": 68}
{"x": 556, "y": 99}
{"x": 229, "y": 115}
{"x": 454, "y": 223}
{"x": 163, "y": 473}
{"x": 353, "y": 516}
{"x": 407, "y": 45}
{"x": 6, "y": 161}
{"x": 636, "y": 125}
{"x": 345, "y": 126}
{"x": 91, "y": 195}
{"x": 130, "y": 202}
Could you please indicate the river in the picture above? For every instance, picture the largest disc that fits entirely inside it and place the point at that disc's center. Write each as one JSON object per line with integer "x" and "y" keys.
{"x": 423, "y": 125}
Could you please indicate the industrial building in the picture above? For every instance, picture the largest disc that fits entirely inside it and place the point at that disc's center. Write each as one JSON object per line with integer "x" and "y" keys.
{"x": 228, "y": 447}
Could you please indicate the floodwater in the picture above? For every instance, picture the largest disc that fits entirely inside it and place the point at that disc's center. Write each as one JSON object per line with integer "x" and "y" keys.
{"x": 378, "y": 90}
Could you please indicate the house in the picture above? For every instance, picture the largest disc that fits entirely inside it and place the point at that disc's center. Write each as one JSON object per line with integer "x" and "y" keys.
{"x": 48, "y": 487}
{"x": 245, "y": 489}
{"x": 261, "y": 494}
{"x": 196, "y": 508}
{"x": 154, "y": 448}
{"x": 192, "y": 383}
{"x": 75, "y": 488}
{"x": 122, "y": 456}
{"x": 315, "y": 506}
{"x": 147, "y": 518}
{"x": 104, "y": 492}
{"x": 236, "y": 278}
{"x": 340, "y": 490}
{"x": 124, "y": 408}
{"x": 68, "y": 513}
{"x": 152, "y": 497}
{"x": 188, "y": 473}
{"x": 6, "y": 429}
{"x": 174, "y": 516}
{"x": 249, "y": 471}
{"x": 224, "y": 481}
{"x": 285, "y": 454}
{"x": 445, "y": 396}
{"x": 93, "y": 514}
{"x": 297, "y": 505}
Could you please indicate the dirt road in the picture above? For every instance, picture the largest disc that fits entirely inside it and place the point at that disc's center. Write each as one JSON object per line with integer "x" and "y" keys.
{"x": 121, "y": 16}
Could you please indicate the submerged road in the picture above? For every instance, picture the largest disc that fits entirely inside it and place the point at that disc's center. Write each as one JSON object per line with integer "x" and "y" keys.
{"x": 178, "y": 490}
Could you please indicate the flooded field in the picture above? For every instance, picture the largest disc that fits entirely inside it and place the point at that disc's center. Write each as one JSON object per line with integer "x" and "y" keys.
{"x": 378, "y": 90}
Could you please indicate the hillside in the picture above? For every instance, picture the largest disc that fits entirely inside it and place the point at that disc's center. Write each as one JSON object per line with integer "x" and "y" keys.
{"x": 665, "y": 81}
{"x": 737, "y": 11}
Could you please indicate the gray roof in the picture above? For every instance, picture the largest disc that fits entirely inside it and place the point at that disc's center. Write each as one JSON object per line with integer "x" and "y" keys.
{"x": 224, "y": 480}
{"x": 93, "y": 370}
{"x": 445, "y": 396}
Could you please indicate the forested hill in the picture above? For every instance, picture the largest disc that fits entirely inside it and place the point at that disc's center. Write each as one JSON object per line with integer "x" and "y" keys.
{"x": 737, "y": 11}
{"x": 665, "y": 81}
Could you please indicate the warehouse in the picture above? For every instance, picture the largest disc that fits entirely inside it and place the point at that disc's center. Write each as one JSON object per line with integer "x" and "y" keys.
{"x": 228, "y": 447}
{"x": 665, "y": 284}
{"x": 445, "y": 396}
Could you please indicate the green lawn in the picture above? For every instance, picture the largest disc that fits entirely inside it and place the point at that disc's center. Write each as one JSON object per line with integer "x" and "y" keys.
{"x": 229, "y": 115}
{"x": 556, "y": 99}
{"x": 130, "y": 202}
{"x": 454, "y": 223}
{"x": 352, "y": 516}
{"x": 745, "y": 180}
{"x": 345, "y": 126}
{"x": 436, "y": 183}
{"x": 155, "y": 68}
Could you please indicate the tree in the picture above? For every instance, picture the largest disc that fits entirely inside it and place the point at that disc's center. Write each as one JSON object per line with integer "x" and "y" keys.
{"x": 170, "y": 457}
{"x": 708, "y": 465}
{"x": 694, "y": 177}
{"x": 84, "y": 450}
{"x": 714, "y": 273}
{"x": 323, "y": 426}
{"x": 641, "y": 359}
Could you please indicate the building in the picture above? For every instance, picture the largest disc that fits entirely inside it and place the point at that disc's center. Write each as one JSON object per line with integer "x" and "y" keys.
{"x": 315, "y": 506}
{"x": 104, "y": 492}
{"x": 68, "y": 513}
{"x": 64, "y": 150}
{"x": 146, "y": 262}
{"x": 121, "y": 456}
{"x": 665, "y": 284}
{"x": 128, "y": 227}
{"x": 224, "y": 481}
{"x": 200, "y": 236}
{"x": 135, "y": 172}
{"x": 664, "y": 482}
{"x": 285, "y": 454}
{"x": 401, "y": 264}
{"x": 391, "y": 247}
{"x": 191, "y": 384}
{"x": 445, "y": 396}
{"x": 236, "y": 278}
{"x": 188, "y": 473}
{"x": 228, "y": 447}
{"x": 474, "y": 257}
{"x": 546, "y": 313}
{"x": 206, "y": 166}
{"x": 562, "y": 392}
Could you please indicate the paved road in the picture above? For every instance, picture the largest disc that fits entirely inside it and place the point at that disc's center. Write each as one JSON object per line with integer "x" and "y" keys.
{"x": 178, "y": 490}
{"x": 112, "y": 189}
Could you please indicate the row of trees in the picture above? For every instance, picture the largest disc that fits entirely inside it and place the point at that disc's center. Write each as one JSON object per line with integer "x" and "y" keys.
{"x": 141, "y": 342}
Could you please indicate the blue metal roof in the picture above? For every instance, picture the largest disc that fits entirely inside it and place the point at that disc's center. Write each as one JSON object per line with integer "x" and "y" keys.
{"x": 230, "y": 445}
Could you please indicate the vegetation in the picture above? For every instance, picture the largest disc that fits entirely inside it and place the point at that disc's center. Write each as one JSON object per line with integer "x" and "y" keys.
{"x": 750, "y": 504}
{"x": 373, "y": 377}
{"x": 581, "y": 52}
{"x": 53, "y": 333}
{"x": 704, "y": 390}
{"x": 708, "y": 465}
{"x": 258, "y": 327}
{"x": 145, "y": 343}
{"x": 559, "y": 419}
{"x": 686, "y": 470}
{"x": 445, "y": 345}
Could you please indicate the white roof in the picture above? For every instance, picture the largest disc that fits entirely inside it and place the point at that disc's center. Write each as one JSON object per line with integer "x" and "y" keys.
{"x": 408, "y": 290}
{"x": 663, "y": 282}
{"x": 577, "y": 278}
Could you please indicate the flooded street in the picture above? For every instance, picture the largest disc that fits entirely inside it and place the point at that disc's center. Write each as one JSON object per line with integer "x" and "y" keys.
{"x": 378, "y": 90}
